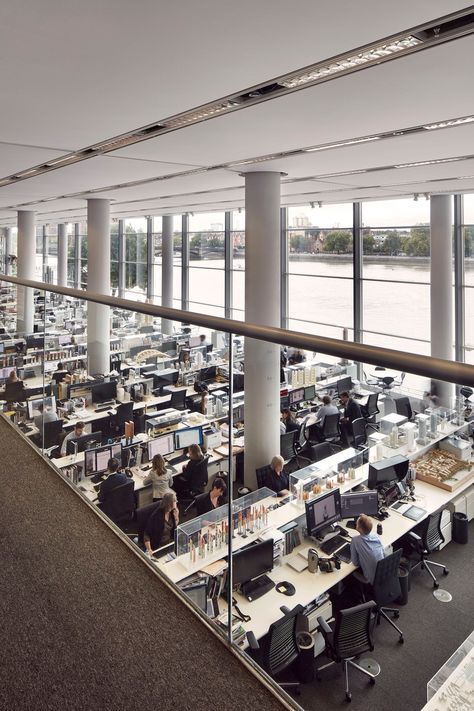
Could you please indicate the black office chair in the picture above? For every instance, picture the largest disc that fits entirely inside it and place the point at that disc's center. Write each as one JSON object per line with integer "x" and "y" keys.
{"x": 386, "y": 589}
{"x": 279, "y": 648}
{"x": 289, "y": 453}
{"x": 370, "y": 410}
{"x": 359, "y": 432}
{"x": 119, "y": 504}
{"x": 331, "y": 430}
{"x": 301, "y": 442}
{"x": 261, "y": 474}
{"x": 320, "y": 451}
{"x": 403, "y": 407}
{"x": 141, "y": 519}
{"x": 178, "y": 399}
{"x": 386, "y": 383}
{"x": 347, "y": 637}
{"x": 423, "y": 540}
{"x": 49, "y": 436}
{"x": 197, "y": 483}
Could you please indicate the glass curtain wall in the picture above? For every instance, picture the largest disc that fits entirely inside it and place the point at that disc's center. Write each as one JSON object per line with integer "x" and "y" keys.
{"x": 468, "y": 228}
{"x": 206, "y": 263}
{"x": 237, "y": 237}
{"x": 135, "y": 258}
{"x": 320, "y": 271}
{"x": 71, "y": 252}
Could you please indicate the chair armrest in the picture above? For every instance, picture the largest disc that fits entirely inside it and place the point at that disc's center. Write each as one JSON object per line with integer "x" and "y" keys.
{"x": 286, "y": 610}
{"x": 252, "y": 640}
{"x": 323, "y": 625}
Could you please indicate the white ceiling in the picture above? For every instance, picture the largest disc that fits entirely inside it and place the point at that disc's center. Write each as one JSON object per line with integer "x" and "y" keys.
{"x": 76, "y": 74}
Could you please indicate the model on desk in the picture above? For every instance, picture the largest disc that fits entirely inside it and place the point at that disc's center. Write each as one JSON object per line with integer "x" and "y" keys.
{"x": 366, "y": 550}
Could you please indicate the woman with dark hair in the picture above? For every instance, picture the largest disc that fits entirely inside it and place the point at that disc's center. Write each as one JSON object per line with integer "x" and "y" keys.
{"x": 214, "y": 498}
{"x": 160, "y": 527}
{"x": 289, "y": 420}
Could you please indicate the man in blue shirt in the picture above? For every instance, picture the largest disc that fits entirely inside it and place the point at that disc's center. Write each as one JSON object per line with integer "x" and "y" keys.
{"x": 366, "y": 550}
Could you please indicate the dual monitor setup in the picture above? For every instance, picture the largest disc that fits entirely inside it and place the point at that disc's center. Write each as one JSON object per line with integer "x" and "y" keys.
{"x": 295, "y": 397}
{"x": 332, "y": 506}
{"x": 177, "y": 440}
{"x": 94, "y": 392}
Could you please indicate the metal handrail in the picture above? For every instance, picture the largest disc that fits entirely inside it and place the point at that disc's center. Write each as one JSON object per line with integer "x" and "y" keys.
{"x": 426, "y": 366}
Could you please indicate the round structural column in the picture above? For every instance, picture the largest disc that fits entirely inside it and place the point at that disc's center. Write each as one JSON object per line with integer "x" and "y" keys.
{"x": 62, "y": 255}
{"x": 26, "y": 269}
{"x": 262, "y": 307}
{"x": 441, "y": 293}
{"x": 98, "y": 282}
{"x": 8, "y": 249}
{"x": 166, "y": 270}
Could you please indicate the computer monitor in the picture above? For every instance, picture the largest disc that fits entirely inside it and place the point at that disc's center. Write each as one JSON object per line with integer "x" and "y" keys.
{"x": 310, "y": 392}
{"x": 33, "y": 342}
{"x": 163, "y": 379}
{"x": 161, "y": 445}
{"x": 5, "y": 372}
{"x": 64, "y": 340}
{"x": 238, "y": 382}
{"x": 95, "y": 460}
{"x": 387, "y": 471}
{"x": 296, "y": 396}
{"x": 187, "y": 437}
{"x": 80, "y": 390}
{"x": 284, "y": 402}
{"x": 49, "y": 403}
{"x": 168, "y": 346}
{"x": 249, "y": 563}
{"x": 323, "y": 511}
{"x": 87, "y": 441}
{"x": 359, "y": 502}
{"x": 135, "y": 350}
{"x": 194, "y": 342}
{"x": 101, "y": 392}
{"x": 344, "y": 384}
{"x": 89, "y": 462}
{"x": 208, "y": 373}
{"x": 198, "y": 594}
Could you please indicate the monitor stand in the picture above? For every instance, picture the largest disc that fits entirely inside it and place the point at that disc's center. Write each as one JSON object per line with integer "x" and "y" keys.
{"x": 330, "y": 530}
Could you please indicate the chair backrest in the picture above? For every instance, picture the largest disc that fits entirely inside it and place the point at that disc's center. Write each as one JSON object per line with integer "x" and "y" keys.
{"x": 386, "y": 585}
{"x": 301, "y": 434}
{"x": 320, "y": 451}
{"x": 119, "y": 504}
{"x": 199, "y": 476}
{"x": 371, "y": 407}
{"x": 431, "y": 535}
{"x": 144, "y": 496}
{"x": 331, "y": 426}
{"x": 142, "y": 515}
{"x": 387, "y": 382}
{"x": 124, "y": 412}
{"x": 287, "y": 445}
{"x": 178, "y": 399}
{"x": 261, "y": 474}
{"x": 279, "y": 647}
{"x": 353, "y": 631}
{"x": 403, "y": 407}
{"x": 359, "y": 431}
{"x": 52, "y": 431}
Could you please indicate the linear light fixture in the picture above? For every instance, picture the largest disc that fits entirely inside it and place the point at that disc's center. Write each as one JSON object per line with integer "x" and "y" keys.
{"x": 319, "y": 71}
{"x": 453, "y": 122}
{"x": 351, "y": 142}
{"x": 428, "y": 162}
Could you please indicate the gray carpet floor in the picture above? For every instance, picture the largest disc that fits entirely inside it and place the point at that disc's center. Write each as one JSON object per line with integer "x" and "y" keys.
{"x": 433, "y": 630}
{"x": 83, "y": 623}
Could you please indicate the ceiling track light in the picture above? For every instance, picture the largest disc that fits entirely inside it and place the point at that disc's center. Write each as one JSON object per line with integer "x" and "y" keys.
{"x": 320, "y": 204}
{"x": 415, "y": 197}
{"x": 427, "y": 196}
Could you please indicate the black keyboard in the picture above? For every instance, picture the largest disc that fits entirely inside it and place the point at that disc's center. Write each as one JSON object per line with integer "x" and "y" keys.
{"x": 176, "y": 460}
{"x": 345, "y": 553}
{"x": 332, "y": 544}
{"x": 256, "y": 588}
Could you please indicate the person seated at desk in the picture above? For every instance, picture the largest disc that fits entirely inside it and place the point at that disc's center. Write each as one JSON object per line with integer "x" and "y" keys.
{"x": 288, "y": 421}
{"x": 114, "y": 478}
{"x": 78, "y": 431}
{"x": 160, "y": 477}
{"x": 366, "y": 550}
{"x": 44, "y": 415}
{"x": 295, "y": 356}
{"x": 214, "y": 498}
{"x": 204, "y": 341}
{"x": 14, "y": 389}
{"x": 161, "y": 525}
{"x": 61, "y": 375}
{"x": 184, "y": 358}
{"x": 351, "y": 412}
{"x": 327, "y": 408}
{"x": 181, "y": 481}
{"x": 277, "y": 479}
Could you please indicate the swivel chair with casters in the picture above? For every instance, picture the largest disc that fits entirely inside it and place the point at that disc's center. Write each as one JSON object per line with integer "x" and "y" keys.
{"x": 279, "y": 648}
{"x": 320, "y": 451}
{"x": 347, "y": 637}
{"x": 197, "y": 483}
{"x": 261, "y": 474}
{"x": 386, "y": 589}
{"x": 142, "y": 515}
{"x": 359, "y": 432}
{"x": 178, "y": 400}
{"x": 386, "y": 383}
{"x": 119, "y": 505}
{"x": 49, "y": 436}
{"x": 370, "y": 410}
{"x": 331, "y": 430}
{"x": 425, "y": 539}
{"x": 289, "y": 452}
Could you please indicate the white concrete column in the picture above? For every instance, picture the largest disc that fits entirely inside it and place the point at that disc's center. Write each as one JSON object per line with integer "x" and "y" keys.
{"x": 262, "y": 307}
{"x": 441, "y": 294}
{"x": 26, "y": 269}
{"x": 62, "y": 255}
{"x": 8, "y": 249}
{"x": 166, "y": 270}
{"x": 98, "y": 282}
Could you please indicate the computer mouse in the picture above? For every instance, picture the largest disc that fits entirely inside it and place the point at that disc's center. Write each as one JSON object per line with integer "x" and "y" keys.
{"x": 285, "y": 588}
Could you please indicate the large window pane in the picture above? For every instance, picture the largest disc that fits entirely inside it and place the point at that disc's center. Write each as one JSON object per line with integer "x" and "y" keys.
{"x": 396, "y": 213}
{"x": 327, "y": 301}
{"x": 206, "y": 286}
{"x": 469, "y": 325}
{"x": 326, "y": 216}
